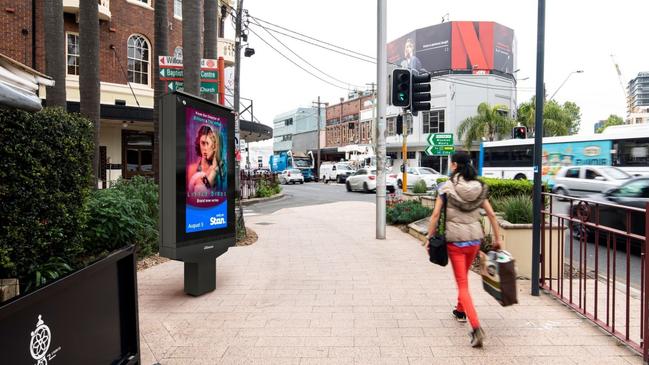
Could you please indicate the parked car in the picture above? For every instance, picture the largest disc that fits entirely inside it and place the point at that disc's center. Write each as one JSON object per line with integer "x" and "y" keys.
{"x": 365, "y": 180}
{"x": 633, "y": 193}
{"x": 291, "y": 176}
{"x": 335, "y": 171}
{"x": 587, "y": 180}
{"x": 262, "y": 171}
{"x": 428, "y": 175}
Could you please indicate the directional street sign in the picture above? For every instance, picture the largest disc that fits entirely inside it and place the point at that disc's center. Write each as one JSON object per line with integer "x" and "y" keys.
{"x": 177, "y": 74}
{"x": 440, "y": 139}
{"x": 169, "y": 61}
{"x": 206, "y": 87}
{"x": 440, "y": 150}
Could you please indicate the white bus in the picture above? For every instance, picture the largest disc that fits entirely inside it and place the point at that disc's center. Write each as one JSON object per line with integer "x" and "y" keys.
{"x": 624, "y": 146}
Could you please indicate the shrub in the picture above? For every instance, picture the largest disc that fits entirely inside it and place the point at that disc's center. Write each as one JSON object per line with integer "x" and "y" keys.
{"x": 144, "y": 189}
{"x": 420, "y": 187}
{"x": 268, "y": 188}
{"x": 407, "y": 212}
{"x": 117, "y": 219}
{"x": 516, "y": 209}
{"x": 45, "y": 178}
{"x": 499, "y": 188}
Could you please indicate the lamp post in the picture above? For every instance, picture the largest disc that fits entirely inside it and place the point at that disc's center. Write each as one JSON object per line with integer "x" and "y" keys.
{"x": 566, "y": 80}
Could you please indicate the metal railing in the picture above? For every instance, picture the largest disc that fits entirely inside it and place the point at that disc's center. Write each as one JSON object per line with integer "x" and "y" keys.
{"x": 250, "y": 182}
{"x": 593, "y": 259}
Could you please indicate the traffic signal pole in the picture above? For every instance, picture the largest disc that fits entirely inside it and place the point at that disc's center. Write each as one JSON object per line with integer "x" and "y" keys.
{"x": 382, "y": 80}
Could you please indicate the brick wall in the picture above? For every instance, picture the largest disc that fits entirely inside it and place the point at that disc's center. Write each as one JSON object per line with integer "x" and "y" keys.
{"x": 126, "y": 19}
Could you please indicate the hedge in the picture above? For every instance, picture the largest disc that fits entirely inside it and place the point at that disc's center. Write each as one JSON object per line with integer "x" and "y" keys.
{"x": 500, "y": 188}
{"x": 45, "y": 178}
{"x": 407, "y": 212}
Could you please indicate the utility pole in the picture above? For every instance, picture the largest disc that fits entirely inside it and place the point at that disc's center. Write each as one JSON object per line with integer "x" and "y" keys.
{"x": 404, "y": 150}
{"x": 382, "y": 80}
{"x": 237, "y": 96}
{"x": 372, "y": 126}
{"x": 538, "y": 148}
{"x": 317, "y": 165}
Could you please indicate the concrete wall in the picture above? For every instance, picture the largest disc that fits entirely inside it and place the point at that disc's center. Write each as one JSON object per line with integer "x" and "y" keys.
{"x": 303, "y": 142}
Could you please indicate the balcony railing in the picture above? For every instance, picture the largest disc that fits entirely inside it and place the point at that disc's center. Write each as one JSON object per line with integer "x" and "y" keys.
{"x": 72, "y": 7}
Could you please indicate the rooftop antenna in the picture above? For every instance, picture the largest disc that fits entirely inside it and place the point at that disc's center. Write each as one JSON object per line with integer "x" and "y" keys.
{"x": 446, "y": 17}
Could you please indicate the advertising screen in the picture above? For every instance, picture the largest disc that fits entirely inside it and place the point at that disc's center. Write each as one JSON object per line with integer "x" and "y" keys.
{"x": 557, "y": 155}
{"x": 206, "y": 166}
{"x": 503, "y": 49}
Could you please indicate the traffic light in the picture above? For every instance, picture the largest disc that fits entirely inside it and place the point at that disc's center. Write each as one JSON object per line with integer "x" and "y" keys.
{"x": 519, "y": 132}
{"x": 401, "y": 87}
{"x": 399, "y": 125}
{"x": 420, "y": 93}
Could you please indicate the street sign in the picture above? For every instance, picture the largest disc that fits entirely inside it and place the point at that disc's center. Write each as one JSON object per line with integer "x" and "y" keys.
{"x": 177, "y": 74}
{"x": 170, "y": 61}
{"x": 440, "y": 150}
{"x": 206, "y": 87}
{"x": 440, "y": 139}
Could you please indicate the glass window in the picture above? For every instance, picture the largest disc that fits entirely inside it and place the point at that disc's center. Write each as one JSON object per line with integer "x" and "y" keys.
{"x": 138, "y": 60}
{"x": 636, "y": 189}
{"x": 373, "y": 172}
{"x": 591, "y": 174}
{"x": 138, "y": 154}
{"x": 633, "y": 152}
{"x": 73, "y": 54}
{"x": 433, "y": 121}
{"x": 361, "y": 172}
{"x": 521, "y": 155}
{"x": 428, "y": 171}
{"x": 498, "y": 157}
{"x": 616, "y": 173}
{"x": 178, "y": 8}
{"x": 573, "y": 173}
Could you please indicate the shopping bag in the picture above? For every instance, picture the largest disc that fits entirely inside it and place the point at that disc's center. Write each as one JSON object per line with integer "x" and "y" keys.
{"x": 437, "y": 252}
{"x": 498, "y": 272}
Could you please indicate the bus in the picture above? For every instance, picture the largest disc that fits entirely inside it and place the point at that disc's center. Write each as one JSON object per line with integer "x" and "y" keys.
{"x": 624, "y": 146}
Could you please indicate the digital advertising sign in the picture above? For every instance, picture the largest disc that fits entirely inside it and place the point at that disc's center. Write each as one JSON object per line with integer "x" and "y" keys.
{"x": 196, "y": 178}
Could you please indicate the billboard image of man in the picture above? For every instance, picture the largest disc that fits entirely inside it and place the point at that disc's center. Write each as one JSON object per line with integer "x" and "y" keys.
{"x": 410, "y": 60}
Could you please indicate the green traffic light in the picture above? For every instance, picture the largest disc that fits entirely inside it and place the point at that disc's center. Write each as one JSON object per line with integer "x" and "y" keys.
{"x": 402, "y": 96}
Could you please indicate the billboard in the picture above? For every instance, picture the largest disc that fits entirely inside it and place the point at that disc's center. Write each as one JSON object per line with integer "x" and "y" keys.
{"x": 206, "y": 166}
{"x": 557, "y": 155}
{"x": 196, "y": 178}
{"x": 476, "y": 47}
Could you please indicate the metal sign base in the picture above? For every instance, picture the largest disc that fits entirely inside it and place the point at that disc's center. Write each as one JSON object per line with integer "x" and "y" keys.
{"x": 200, "y": 277}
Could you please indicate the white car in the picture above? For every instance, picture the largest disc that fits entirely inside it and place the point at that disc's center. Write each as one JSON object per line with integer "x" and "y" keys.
{"x": 365, "y": 180}
{"x": 335, "y": 171}
{"x": 291, "y": 176}
{"x": 428, "y": 175}
{"x": 587, "y": 180}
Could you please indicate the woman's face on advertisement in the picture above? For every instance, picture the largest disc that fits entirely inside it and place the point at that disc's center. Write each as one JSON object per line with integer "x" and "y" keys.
{"x": 207, "y": 147}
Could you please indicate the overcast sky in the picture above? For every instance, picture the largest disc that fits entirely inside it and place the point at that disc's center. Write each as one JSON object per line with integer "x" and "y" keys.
{"x": 580, "y": 35}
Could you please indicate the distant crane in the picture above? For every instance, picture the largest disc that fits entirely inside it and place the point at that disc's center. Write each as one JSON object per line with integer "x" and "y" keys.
{"x": 620, "y": 78}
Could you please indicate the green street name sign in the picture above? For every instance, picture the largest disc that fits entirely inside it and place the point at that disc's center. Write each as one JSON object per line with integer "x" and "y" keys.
{"x": 206, "y": 87}
{"x": 174, "y": 74}
{"x": 440, "y": 150}
{"x": 440, "y": 139}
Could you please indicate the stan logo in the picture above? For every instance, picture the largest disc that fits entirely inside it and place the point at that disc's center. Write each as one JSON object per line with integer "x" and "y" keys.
{"x": 592, "y": 151}
{"x": 40, "y": 342}
{"x": 216, "y": 221}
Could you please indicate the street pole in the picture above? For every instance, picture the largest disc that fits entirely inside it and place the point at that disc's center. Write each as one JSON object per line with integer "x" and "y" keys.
{"x": 538, "y": 149}
{"x": 404, "y": 153}
{"x": 237, "y": 97}
{"x": 317, "y": 165}
{"x": 382, "y": 78}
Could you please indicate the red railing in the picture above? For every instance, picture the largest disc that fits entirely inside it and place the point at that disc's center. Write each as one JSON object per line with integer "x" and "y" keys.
{"x": 593, "y": 259}
{"x": 249, "y": 182}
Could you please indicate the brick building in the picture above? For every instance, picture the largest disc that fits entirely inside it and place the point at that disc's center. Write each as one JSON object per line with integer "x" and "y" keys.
{"x": 345, "y": 124}
{"x": 126, "y": 57}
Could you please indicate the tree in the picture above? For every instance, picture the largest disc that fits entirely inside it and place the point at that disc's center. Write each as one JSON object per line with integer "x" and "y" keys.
{"x": 192, "y": 31}
{"x": 211, "y": 16}
{"x": 611, "y": 121}
{"x": 89, "y": 86}
{"x": 558, "y": 120}
{"x": 55, "y": 52}
{"x": 490, "y": 123}
{"x": 161, "y": 32}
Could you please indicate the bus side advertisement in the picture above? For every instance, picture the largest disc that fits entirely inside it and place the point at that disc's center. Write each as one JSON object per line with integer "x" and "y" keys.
{"x": 558, "y": 155}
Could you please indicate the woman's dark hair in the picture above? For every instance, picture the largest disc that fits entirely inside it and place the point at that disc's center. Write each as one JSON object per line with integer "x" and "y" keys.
{"x": 464, "y": 166}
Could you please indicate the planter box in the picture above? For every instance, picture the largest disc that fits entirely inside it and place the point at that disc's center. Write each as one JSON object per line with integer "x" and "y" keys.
{"x": 428, "y": 201}
{"x": 518, "y": 242}
{"x": 412, "y": 196}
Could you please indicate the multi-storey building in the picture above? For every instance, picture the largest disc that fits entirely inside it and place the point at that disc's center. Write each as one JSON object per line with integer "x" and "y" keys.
{"x": 126, "y": 56}
{"x": 296, "y": 130}
{"x": 346, "y": 124}
{"x": 638, "y": 91}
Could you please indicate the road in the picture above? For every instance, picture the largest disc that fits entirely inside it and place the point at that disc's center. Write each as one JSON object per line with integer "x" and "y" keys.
{"x": 620, "y": 256}
{"x": 311, "y": 193}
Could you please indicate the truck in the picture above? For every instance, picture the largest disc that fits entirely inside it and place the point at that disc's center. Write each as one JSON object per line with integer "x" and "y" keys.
{"x": 290, "y": 159}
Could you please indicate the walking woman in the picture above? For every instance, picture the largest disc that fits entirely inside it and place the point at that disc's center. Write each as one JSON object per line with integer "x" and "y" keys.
{"x": 464, "y": 195}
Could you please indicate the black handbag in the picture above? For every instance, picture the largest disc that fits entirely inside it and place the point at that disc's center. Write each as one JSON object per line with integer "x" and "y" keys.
{"x": 437, "y": 251}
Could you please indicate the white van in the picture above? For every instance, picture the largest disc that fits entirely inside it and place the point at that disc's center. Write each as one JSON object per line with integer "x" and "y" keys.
{"x": 338, "y": 171}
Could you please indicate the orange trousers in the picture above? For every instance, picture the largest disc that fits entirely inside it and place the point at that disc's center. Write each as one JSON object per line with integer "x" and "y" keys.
{"x": 461, "y": 259}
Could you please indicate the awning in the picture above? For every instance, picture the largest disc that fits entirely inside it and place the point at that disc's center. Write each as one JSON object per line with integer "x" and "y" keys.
{"x": 19, "y": 85}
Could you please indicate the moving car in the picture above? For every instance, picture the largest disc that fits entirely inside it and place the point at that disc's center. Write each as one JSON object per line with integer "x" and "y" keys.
{"x": 587, "y": 180}
{"x": 633, "y": 193}
{"x": 289, "y": 176}
{"x": 428, "y": 175}
{"x": 365, "y": 180}
{"x": 335, "y": 171}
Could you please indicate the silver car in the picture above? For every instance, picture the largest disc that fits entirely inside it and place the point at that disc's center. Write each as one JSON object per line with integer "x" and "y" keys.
{"x": 588, "y": 180}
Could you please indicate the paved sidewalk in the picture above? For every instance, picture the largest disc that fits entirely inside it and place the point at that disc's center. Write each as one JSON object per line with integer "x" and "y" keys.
{"x": 317, "y": 288}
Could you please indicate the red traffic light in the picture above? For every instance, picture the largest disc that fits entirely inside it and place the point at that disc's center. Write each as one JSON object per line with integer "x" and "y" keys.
{"x": 519, "y": 132}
